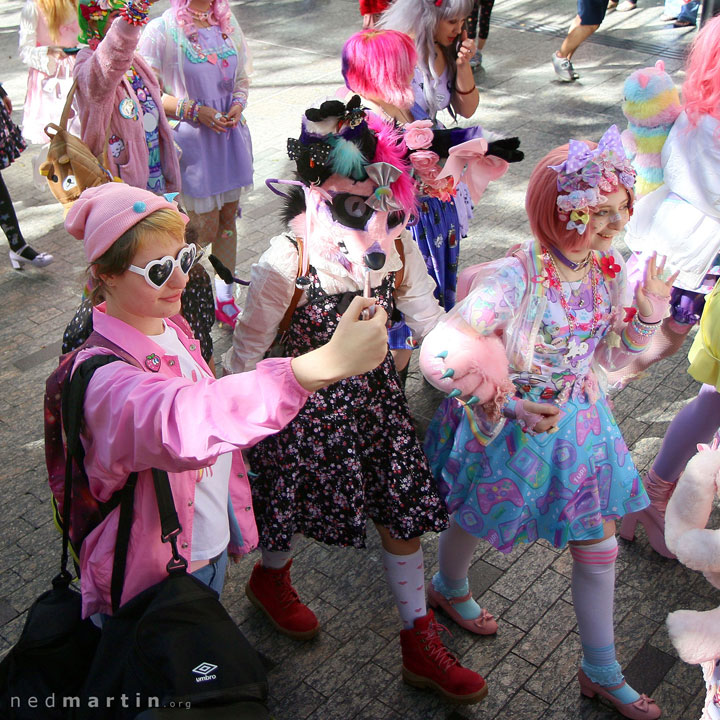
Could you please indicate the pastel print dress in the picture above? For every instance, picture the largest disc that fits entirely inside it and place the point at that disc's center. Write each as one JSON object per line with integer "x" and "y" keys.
{"x": 512, "y": 486}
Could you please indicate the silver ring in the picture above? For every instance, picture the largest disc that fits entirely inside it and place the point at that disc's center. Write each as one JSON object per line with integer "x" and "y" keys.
{"x": 217, "y": 115}
{"x": 212, "y": 124}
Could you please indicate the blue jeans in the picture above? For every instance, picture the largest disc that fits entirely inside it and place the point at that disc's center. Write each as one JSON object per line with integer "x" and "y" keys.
{"x": 213, "y": 575}
{"x": 689, "y": 11}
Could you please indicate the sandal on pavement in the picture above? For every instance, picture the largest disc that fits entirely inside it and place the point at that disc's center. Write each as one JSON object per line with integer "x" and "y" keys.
{"x": 644, "y": 708}
{"x": 484, "y": 624}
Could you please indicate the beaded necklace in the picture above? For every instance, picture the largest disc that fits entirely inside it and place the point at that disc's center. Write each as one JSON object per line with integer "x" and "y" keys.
{"x": 554, "y": 280}
{"x": 201, "y": 15}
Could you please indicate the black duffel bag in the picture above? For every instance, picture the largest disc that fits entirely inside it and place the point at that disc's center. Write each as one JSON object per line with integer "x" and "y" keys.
{"x": 50, "y": 661}
{"x": 173, "y": 648}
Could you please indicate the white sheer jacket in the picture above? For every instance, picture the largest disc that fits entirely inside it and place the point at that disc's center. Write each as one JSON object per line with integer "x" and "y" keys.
{"x": 272, "y": 283}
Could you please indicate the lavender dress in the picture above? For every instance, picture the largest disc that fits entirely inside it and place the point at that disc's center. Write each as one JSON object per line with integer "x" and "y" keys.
{"x": 213, "y": 163}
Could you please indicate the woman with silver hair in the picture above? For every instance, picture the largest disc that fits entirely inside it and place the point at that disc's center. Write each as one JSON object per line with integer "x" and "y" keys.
{"x": 443, "y": 77}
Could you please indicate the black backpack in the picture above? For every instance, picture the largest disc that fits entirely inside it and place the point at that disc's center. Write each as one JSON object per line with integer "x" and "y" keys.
{"x": 51, "y": 659}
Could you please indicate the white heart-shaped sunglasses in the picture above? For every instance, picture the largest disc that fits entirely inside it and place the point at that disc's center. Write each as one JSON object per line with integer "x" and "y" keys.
{"x": 158, "y": 272}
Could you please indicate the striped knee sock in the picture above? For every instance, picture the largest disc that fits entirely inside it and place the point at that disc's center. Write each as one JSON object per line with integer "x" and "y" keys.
{"x": 593, "y": 588}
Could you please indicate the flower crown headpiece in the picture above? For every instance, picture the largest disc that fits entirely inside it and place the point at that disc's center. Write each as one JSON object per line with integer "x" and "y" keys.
{"x": 586, "y": 174}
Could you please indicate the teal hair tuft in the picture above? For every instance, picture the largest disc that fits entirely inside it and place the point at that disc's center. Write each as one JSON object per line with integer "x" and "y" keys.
{"x": 346, "y": 158}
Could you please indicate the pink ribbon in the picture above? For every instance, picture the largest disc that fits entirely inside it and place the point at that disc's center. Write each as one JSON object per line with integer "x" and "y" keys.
{"x": 470, "y": 163}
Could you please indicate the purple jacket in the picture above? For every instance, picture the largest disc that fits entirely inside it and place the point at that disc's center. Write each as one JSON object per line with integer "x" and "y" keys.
{"x": 101, "y": 88}
{"x": 139, "y": 419}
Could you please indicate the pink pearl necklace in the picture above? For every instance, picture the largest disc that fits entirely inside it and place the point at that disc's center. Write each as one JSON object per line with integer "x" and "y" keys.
{"x": 555, "y": 282}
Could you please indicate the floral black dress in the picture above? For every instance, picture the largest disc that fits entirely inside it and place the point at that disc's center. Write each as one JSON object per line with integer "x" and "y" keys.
{"x": 11, "y": 139}
{"x": 350, "y": 453}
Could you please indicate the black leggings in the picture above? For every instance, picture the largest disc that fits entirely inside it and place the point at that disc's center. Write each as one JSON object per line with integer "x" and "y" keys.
{"x": 480, "y": 15}
{"x": 8, "y": 219}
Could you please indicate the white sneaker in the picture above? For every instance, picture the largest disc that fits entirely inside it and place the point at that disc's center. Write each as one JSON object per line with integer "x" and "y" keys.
{"x": 564, "y": 69}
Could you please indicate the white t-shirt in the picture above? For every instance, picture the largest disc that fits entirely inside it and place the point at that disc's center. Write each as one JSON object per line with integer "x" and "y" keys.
{"x": 211, "y": 525}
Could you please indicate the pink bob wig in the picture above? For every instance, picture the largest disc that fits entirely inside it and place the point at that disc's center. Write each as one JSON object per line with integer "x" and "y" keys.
{"x": 219, "y": 15}
{"x": 391, "y": 149}
{"x": 541, "y": 206}
{"x": 701, "y": 89}
{"x": 380, "y": 64}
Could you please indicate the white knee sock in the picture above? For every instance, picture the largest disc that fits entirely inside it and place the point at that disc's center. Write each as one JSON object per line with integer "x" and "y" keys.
{"x": 223, "y": 291}
{"x": 593, "y": 590}
{"x": 277, "y": 559}
{"x": 406, "y": 577}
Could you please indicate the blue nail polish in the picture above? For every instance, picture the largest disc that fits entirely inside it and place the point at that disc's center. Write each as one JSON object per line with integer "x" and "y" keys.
{"x": 473, "y": 399}
{"x": 447, "y": 374}
{"x": 442, "y": 354}
{"x": 454, "y": 393}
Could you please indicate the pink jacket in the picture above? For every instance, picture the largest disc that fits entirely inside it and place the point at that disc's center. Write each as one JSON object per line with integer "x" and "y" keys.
{"x": 136, "y": 420}
{"x": 101, "y": 87}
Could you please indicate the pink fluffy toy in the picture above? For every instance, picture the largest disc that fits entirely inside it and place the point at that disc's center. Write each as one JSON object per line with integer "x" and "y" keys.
{"x": 696, "y": 635}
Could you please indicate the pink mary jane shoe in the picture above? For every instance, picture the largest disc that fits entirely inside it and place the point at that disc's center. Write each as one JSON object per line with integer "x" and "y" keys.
{"x": 484, "y": 624}
{"x": 644, "y": 708}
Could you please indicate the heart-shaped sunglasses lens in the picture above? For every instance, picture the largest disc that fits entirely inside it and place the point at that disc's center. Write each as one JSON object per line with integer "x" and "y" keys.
{"x": 160, "y": 271}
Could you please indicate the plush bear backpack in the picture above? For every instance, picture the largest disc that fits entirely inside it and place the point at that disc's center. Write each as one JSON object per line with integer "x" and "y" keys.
{"x": 651, "y": 106}
{"x": 71, "y": 167}
{"x": 696, "y": 635}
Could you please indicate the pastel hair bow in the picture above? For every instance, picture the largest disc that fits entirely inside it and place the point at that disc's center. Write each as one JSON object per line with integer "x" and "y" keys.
{"x": 383, "y": 174}
{"x": 579, "y": 155}
{"x": 470, "y": 163}
{"x": 611, "y": 147}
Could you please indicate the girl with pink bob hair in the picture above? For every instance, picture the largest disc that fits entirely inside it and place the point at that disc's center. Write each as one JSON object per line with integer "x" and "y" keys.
{"x": 380, "y": 64}
{"x": 681, "y": 219}
{"x": 525, "y": 446}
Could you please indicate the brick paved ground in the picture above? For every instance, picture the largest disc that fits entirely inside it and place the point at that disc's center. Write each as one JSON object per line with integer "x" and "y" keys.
{"x": 352, "y": 669}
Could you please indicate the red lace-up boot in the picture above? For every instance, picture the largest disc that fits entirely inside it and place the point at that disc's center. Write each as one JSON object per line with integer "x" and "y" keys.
{"x": 427, "y": 663}
{"x": 271, "y": 591}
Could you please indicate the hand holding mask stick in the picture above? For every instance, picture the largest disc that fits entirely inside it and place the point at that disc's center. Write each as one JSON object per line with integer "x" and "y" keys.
{"x": 373, "y": 261}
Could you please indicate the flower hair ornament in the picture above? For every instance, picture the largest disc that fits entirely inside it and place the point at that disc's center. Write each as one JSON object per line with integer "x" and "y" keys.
{"x": 587, "y": 174}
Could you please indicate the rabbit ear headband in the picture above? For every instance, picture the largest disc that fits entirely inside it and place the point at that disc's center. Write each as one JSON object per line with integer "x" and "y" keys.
{"x": 587, "y": 173}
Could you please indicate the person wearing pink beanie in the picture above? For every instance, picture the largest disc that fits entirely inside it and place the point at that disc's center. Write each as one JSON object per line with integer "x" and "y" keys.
{"x": 162, "y": 408}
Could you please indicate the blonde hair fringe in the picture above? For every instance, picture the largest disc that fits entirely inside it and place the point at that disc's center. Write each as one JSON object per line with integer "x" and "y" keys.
{"x": 57, "y": 13}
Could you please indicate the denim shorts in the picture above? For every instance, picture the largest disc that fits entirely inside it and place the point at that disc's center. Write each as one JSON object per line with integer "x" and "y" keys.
{"x": 591, "y": 12}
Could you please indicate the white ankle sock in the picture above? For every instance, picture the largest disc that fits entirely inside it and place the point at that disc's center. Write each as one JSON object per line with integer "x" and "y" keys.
{"x": 406, "y": 577}
{"x": 223, "y": 291}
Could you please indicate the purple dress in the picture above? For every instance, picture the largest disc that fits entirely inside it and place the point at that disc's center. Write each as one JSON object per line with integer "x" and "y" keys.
{"x": 212, "y": 163}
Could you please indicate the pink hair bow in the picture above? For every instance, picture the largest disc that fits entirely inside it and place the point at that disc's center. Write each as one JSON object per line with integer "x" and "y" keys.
{"x": 470, "y": 163}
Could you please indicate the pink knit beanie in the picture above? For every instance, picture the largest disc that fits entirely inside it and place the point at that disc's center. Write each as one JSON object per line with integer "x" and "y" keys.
{"x": 102, "y": 214}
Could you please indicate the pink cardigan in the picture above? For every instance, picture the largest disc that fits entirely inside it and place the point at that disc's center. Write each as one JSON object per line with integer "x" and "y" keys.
{"x": 139, "y": 419}
{"x": 101, "y": 87}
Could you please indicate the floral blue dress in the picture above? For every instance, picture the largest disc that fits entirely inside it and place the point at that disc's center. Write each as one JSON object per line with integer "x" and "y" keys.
{"x": 520, "y": 487}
